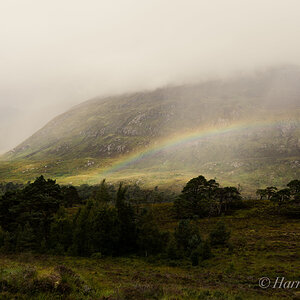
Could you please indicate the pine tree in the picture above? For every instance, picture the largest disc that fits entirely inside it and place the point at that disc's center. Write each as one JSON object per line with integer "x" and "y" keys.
{"x": 126, "y": 218}
{"x": 26, "y": 239}
{"x": 150, "y": 239}
{"x": 102, "y": 194}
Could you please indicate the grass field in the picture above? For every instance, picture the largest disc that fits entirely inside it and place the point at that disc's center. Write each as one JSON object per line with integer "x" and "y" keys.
{"x": 263, "y": 245}
{"x": 250, "y": 175}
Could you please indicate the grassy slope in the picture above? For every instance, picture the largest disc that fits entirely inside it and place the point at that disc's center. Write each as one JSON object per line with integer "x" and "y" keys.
{"x": 250, "y": 174}
{"x": 263, "y": 245}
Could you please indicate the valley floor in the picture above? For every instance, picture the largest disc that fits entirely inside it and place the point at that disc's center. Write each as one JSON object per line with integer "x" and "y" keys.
{"x": 262, "y": 246}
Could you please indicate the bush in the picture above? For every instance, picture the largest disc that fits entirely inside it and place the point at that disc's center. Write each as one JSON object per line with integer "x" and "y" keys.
{"x": 202, "y": 252}
{"x": 291, "y": 211}
{"x": 205, "y": 250}
{"x": 219, "y": 236}
{"x": 187, "y": 236}
{"x": 172, "y": 250}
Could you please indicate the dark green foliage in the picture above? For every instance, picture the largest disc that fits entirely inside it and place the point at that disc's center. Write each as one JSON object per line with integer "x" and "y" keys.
{"x": 202, "y": 252}
{"x": 281, "y": 196}
{"x": 26, "y": 239}
{"x": 172, "y": 249}
{"x": 150, "y": 239}
{"x": 81, "y": 231}
{"x": 187, "y": 237}
{"x": 70, "y": 196}
{"x": 44, "y": 217}
{"x": 292, "y": 210}
{"x": 35, "y": 219}
{"x": 219, "y": 235}
{"x": 267, "y": 192}
{"x": 99, "y": 227}
{"x": 134, "y": 193}
{"x": 2, "y": 237}
{"x": 226, "y": 198}
{"x": 9, "y": 187}
{"x": 195, "y": 198}
{"x": 104, "y": 230}
{"x": 102, "y": 193}
{"x": 187, "y": 242}
{"x": 8, "y": 242}
{"x": 297, "y": 198}
{"x": 86, "y": 191}
{"x": 60, "y": 232}
{"x": 294, "y": 186}
{"x": 126, "y": 217}
{"x": 27, "y": 214}
{"x": 200, "y": 198}
{"x": 261, "y": 193}
{"x": 195, "y": 258}
{"x": 270, "y": 191}
{"x": 287, "y": 200}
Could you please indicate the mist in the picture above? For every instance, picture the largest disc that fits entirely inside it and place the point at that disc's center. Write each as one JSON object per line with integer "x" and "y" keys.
{"x": 56, "y": 54}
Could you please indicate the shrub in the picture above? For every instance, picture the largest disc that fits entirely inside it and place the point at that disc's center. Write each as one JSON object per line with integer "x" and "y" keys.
{"x": 187, "y": 236}
{"x": 219, "y": 236}
{"x": 202, "y": 252}
{"x": 205, "y": 250}
{"x": 172, "y": 250}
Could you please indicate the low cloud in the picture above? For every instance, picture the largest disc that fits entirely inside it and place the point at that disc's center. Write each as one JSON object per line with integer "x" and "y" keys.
{"x": 55, "y": 54}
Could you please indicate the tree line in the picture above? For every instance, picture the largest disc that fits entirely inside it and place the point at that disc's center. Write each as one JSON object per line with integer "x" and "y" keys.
{"x": 287, "y": 199}
{"x": 45, "y": 217}
{"x": 281, "y": 196}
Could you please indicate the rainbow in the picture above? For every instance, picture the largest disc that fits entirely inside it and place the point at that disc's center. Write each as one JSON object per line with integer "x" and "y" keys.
{"x": 186, "y": 137}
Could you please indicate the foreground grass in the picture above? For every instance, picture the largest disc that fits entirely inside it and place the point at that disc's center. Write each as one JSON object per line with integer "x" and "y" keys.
{"x": 134, "y": 278}
{"x": 262, "y": 245}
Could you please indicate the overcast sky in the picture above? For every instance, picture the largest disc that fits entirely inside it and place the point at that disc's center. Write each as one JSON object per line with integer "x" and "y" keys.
{"x": 57, "y": 53}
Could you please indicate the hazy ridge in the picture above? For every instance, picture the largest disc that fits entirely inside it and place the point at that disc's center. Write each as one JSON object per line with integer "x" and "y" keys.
{"x": 107, "y": 128}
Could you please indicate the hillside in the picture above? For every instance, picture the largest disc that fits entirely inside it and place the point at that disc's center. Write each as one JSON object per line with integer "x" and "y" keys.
{"x": 102, "y": 132}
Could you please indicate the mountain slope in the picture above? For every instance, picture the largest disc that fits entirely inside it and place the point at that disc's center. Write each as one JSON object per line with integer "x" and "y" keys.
{"x": 106, "y": 130}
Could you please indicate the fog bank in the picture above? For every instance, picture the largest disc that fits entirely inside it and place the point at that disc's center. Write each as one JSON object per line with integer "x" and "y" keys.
{"x": 55, "y": 54}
